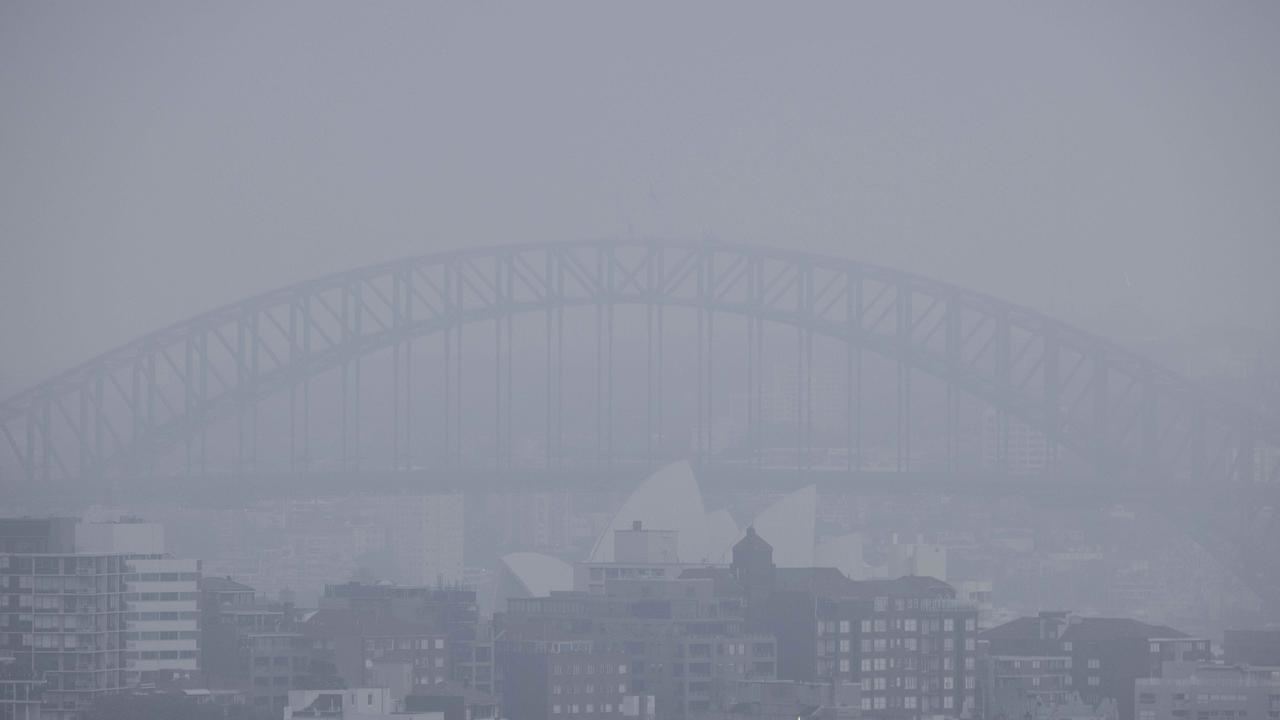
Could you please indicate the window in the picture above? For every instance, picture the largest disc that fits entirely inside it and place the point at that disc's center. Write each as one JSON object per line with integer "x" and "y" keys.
{"x": 1094, "y": 663}
{"x": 844, "y": 627}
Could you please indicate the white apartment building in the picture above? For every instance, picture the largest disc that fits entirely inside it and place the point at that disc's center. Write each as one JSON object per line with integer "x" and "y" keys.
{"x": 162, "y": 622}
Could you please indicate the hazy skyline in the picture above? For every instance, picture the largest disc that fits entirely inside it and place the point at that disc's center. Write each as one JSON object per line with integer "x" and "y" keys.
{"x": 601, "y": 477}
{"x": 1115, "y": 165}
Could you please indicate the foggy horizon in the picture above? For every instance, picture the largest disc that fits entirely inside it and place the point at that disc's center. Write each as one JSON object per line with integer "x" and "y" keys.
{"x": 533, "y": 361}
{"x": 144, "y": 142}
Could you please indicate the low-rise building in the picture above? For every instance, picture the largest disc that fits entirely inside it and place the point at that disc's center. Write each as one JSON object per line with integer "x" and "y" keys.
{"x": 1201, "y": 691}
{"x": 231, "y": 613}
{"x": 352, "y": 642}
{"x": 785, "y": 700}
{"x": 357, "y": 703}
{"x": 1252, "y": 647}
{"x": 639, "y": 553}
{"x": 450, "y": 611}
{"x": 680, "y": 639}
{"x": 1103, "y": 657}
{"x": 548, "y": 679}
{"x": 278, "y": 663}
{"x": 910, "y": 643}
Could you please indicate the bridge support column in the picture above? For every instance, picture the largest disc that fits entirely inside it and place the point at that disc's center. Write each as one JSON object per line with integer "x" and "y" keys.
{"x": 902, "y": 298}
{"x": 650, "y": 279}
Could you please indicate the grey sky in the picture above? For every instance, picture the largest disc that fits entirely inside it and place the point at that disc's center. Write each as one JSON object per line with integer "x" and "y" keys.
{"x": 159, "y": 159}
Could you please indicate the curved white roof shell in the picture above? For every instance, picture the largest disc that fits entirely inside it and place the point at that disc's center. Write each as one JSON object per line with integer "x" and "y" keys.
{"x": 668, "y": 500}
{"x": 538, "y": 574}
{"x": 723, "y": 532}
{"x": 789, "y": 526}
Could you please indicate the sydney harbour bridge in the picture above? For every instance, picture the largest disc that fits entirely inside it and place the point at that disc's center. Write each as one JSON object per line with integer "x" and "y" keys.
{"x": 574, "y": 344}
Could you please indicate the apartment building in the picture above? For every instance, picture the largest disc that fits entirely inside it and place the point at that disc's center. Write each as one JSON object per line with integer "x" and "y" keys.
{"x": 910, "y": 643}
{"x": 162, "y": 624}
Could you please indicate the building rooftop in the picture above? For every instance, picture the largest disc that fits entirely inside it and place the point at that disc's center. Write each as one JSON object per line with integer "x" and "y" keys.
{"x": 830, "y": 582}
{"x": 217, "y": 584}
{"x": 1098, "y": 629}
{"x": 725, "y": 584}
{"x": 915, "y": 586}
{"x": 347, "y": 623}
{"x": 1078, "y": 629}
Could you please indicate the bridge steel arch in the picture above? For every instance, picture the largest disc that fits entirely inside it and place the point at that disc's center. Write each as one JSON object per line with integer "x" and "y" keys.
{"x": 1132, "y": 419}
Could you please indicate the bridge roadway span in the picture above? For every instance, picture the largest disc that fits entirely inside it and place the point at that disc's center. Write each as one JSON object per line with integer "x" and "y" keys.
{"x": 1124, "y": 417}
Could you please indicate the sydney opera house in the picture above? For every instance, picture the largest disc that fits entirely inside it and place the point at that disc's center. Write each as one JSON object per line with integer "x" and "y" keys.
{"x": 671, "y": 502}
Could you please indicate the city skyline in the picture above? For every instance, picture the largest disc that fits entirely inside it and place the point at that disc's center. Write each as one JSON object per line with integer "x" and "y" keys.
{"x": 591, "y": 361}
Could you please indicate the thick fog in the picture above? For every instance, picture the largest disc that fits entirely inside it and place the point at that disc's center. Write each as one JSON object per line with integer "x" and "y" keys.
{"x": 689, "y": 430}
{"x": 1114, "y": 165}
